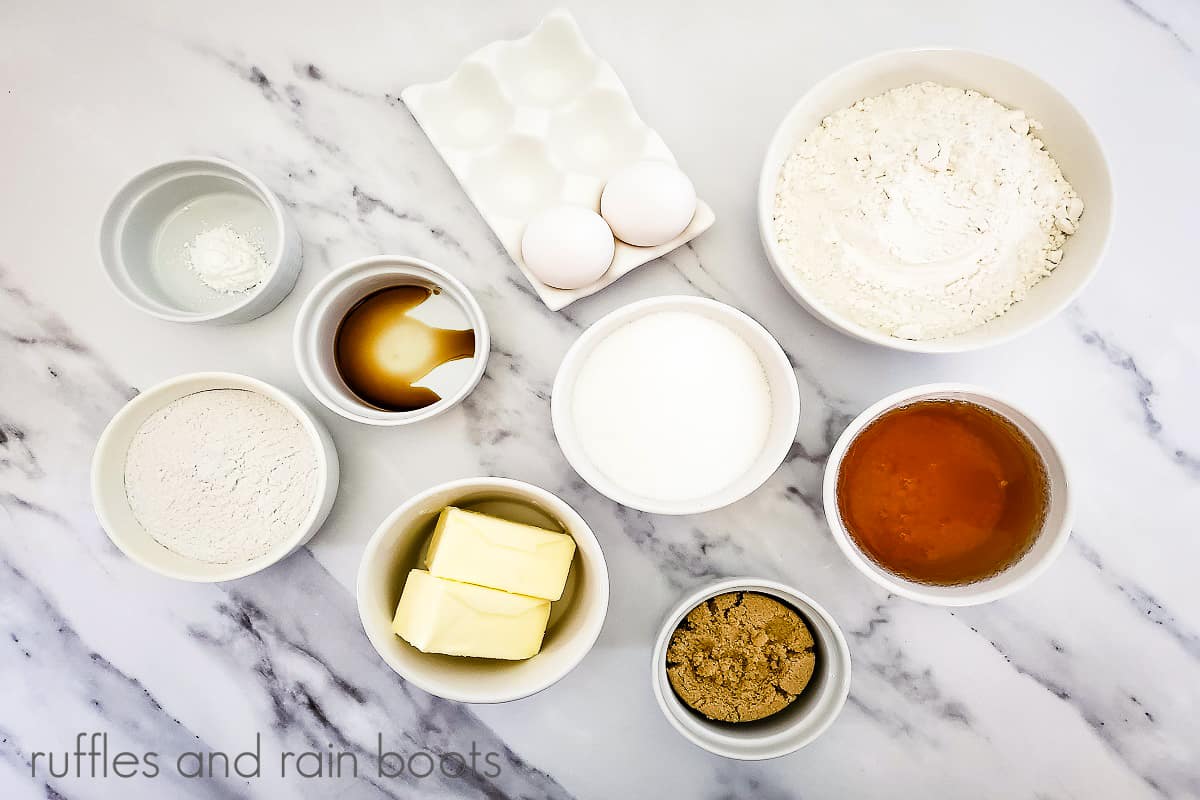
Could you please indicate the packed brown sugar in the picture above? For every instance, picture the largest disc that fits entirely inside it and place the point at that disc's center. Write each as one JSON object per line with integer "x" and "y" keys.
{"x": 740, "y": 657}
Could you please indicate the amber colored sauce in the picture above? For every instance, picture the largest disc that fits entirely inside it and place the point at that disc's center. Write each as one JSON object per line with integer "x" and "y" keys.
{"x": 380, "y": 351}
{"x": 942, "y": 492}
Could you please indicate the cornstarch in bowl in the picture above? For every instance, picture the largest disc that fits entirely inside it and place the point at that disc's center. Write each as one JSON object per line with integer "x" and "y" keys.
{"x": 221, "y": 476}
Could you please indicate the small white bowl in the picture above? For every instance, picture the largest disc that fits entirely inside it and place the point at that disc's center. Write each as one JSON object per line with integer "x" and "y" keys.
{"x": 1055, "y": 530}
{"x": 785, "y": 403}
{"x": 322, "y": 311}
{"x": 157, "y": 212}
{"x": 806, "y": 718}
{"x": 112, "y": 504}
{"x": 397, "y": 546}
{"x": 1068, "y": 138}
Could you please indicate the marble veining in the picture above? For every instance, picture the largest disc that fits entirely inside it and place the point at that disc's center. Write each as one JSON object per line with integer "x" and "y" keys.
{"x": 1144, "y": 387}
{"x": 1084, "y": 685}
{"x": 1156, "y": 14}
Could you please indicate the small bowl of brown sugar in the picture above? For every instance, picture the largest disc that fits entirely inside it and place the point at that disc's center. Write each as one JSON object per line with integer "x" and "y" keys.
{"x": 750, "y": 669}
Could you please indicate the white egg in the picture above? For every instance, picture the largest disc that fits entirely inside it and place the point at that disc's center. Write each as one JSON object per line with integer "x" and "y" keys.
{"x": 648, "y": 203}
{"x": 568, "y": 247}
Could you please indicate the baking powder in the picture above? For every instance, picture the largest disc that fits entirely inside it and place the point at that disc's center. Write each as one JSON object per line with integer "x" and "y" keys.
{"x": 226, "y": 261}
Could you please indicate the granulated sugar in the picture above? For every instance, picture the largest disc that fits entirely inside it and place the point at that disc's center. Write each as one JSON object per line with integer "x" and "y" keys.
{"x": 673, "y": 406}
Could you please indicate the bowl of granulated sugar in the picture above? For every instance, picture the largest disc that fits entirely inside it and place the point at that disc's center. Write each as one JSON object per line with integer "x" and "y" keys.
{"x": 213, "y": 476}
{"x": 934, "y": 201}
{"x": 675, "y": 405}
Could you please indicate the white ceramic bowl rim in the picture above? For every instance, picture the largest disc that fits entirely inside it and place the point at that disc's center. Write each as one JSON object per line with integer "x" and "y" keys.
{"x": 785, "y": 741}
{"x": 402, "y": 266}
{"x": 148, "y": 402}
{"x": 775, "y": 450}
{"x": 769, "y": 176}
{"x": 576, "y": 526}
{"x": 965, "y": 594}
{"x": 162, "y": 310}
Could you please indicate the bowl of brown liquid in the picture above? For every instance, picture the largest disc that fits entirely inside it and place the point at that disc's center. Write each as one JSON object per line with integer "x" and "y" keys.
{"x": 948, "y": 494}
{"x": 390, "y": 340}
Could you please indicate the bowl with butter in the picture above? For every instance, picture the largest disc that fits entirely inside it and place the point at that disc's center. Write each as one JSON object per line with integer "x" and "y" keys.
{"x": 483, "y": 590}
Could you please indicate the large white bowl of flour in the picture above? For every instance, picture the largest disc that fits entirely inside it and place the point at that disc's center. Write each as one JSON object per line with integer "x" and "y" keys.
{"x": 1068, "y": 139}
{"x": 213, "y": 476}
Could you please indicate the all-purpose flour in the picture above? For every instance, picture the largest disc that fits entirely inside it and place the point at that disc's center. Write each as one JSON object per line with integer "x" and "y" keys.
{"x": 221, "y": 476}
{"x": 923, "y": 212}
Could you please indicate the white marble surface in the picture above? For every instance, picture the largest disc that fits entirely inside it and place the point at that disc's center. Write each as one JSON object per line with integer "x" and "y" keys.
{"x": 1085, "y": 685}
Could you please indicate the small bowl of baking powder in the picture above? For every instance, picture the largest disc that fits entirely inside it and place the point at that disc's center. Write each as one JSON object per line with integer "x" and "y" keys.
{"x": 199, "y": 240}
{"x": 213, "y": 476}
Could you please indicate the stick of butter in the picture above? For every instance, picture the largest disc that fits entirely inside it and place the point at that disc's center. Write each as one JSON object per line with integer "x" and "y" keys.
{"x": 459, "y": 619}
{"x": 475, "y": 548}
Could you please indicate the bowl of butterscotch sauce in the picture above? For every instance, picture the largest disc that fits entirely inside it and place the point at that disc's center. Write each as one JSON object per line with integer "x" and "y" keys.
{"x": 947, "y": 494}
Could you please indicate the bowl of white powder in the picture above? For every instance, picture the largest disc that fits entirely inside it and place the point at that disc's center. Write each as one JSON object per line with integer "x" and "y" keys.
{"x": 213, "y": 476}
{"x": 675, "y": 405}
{"x": 934, "y": 200}
{"x": 199, "y": 240}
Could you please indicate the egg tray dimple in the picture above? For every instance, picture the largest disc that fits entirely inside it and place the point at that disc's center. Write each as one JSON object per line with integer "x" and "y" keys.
{"x": 532, "y": 123}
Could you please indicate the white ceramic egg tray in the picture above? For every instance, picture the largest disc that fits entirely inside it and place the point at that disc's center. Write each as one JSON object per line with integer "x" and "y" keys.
{"x": 528, "y": 124}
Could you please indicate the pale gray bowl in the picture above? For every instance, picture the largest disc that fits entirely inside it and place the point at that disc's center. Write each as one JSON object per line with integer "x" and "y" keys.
{"x": 157, "y": 212}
